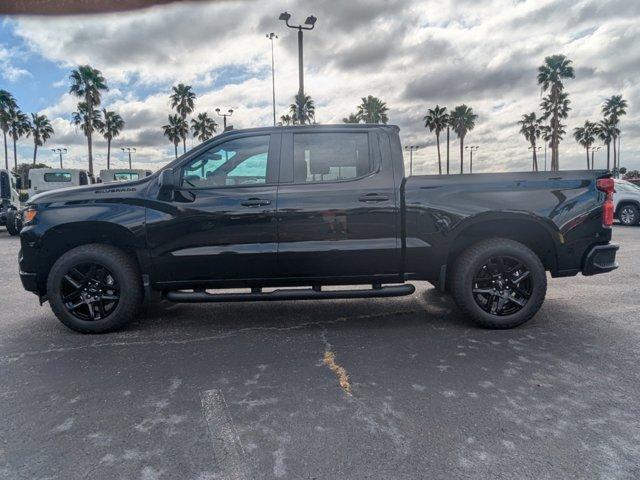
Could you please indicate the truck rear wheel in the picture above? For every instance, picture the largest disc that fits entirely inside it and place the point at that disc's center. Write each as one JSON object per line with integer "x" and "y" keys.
{"x": 500, "y": 283}
{"x": 13, "y": 222}
{"x": 94, "y": 288}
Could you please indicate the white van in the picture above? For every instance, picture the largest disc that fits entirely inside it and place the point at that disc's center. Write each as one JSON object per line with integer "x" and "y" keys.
{"x": 9, "y": 202}
{"x": 122, "y": 175}
{"x": 45, "y": 179}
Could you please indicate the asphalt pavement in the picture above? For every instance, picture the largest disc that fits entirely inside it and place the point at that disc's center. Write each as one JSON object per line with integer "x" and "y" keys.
{"x": 398, "y": 388}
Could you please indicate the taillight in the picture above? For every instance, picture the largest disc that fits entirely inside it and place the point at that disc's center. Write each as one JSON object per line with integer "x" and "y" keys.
{"x": 607, "y": 185}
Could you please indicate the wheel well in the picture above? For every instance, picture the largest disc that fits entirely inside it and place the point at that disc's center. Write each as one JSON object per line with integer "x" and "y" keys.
{"x": 626, "y": 202}
{"x": 527, "y": 232}
{"x": 61, "y": 239}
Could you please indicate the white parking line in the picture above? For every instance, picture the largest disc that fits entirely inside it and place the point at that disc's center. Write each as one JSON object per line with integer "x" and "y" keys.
{"x": 227, "y": 449}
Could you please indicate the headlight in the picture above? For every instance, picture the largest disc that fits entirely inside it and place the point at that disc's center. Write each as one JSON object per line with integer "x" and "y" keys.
{"x": 29, "y": 215}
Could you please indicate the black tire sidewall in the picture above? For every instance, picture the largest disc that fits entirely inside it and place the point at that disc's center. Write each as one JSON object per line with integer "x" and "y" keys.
{"x": 12, "y": 226}
{"x": 471, "y": 262}
{"x": 119, "y": 265}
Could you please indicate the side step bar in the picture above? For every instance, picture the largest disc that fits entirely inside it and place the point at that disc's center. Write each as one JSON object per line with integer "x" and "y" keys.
{"x": 315, "y": 293}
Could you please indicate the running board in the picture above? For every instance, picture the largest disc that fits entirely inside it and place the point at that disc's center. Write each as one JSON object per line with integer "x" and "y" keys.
{"x": 315, "y": 293}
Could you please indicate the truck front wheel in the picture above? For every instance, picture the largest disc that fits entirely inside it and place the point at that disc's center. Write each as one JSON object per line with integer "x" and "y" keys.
{"x": 14, "y": 224}
{"x": 94, "y": 288}
{"x": 500, "y": 283}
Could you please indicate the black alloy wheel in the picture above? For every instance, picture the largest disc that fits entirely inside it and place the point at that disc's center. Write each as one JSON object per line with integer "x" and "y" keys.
{"x": 502, "y": 286}
{"x": 89, "y": 291}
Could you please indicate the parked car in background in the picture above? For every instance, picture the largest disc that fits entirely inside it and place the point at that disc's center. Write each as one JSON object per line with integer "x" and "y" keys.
{"x": 627, "y": 202}
{"x": 9, "y": 202}
{"x": 313, "y": 206}
{"x": 122, "y": 175}
{"x": 46, "y": 179}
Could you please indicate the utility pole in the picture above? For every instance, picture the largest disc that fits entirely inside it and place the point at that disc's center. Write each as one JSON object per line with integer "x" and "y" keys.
{"x": 411, "y": 148}
{"x": 128, "y": 150}
{"x": 59, "y": 151}
{"x": 271, "y": 36}
{"x": 471, "y": 149}
{"x": 448, "y": 149}
{"x": 224, "y": 116}
{"x": 310, "y": 22}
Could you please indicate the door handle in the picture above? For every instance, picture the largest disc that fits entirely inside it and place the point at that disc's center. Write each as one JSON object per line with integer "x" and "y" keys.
{"x": 373, "y": 197}
{"x": 255, "y": 202}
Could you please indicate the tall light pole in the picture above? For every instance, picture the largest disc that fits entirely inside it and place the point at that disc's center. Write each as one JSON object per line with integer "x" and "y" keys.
{"x": 310, "y": 22}
{"x": 411, "y": 148}
{"x": 593, "y": 150}
{"x": 534, "y": 164}
{"x": 224, "y": 116}
{"x": 271, "y": 36}
{"x": 128, "y": 150}
{"x": 471, "y": 148}
{"x": 60, "y": 151}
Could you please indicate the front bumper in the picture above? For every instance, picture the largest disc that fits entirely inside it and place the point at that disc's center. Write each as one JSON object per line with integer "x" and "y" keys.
{"x": 29, "y": 281}
{"x": 600, "y": 259}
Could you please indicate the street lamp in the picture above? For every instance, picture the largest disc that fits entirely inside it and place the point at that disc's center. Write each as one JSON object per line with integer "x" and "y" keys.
{"x": 471, "y": 148}
{"x": 534, "y": 164}
{"x": 310, "y": 22}
{"x": 271, "y": 36}
{"x": 128, "y": 150}
{"x": 593, "y": 150}
{"x": 411, "y": 148}
{"x": 224, "y": 116}
{"x": 59, "y": 151}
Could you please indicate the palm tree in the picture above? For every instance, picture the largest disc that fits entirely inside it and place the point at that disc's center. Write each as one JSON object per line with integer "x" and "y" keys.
{"x": 19, "y": 126}
{"x": 531, "y": 128}
{"x": 183, "y": 101}
{"x": 373, "y": 110}
{"x": 352, "y": 118}
{"x": 614, "y": 108}
{"x": 550, "y": 75}
{"x": 176, "y": 130}
{"x": 437, "y": 120}
{"x": 585, "y": 136}
{"x": 7, "y": 102}
{"x": 286, "y": 119}
{"x": 203, "y": 127}
{"x": 462, "y": 120}
{"x": 87, "y": 83}
{"x": 41, "y": 131}
{"x": 110, "y": 127}
{"x": 303, "y": 110}
{"x": 606, "y": 131}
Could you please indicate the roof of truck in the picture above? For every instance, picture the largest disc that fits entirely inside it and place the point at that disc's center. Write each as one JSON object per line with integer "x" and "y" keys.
{"x": 332, "y": 126}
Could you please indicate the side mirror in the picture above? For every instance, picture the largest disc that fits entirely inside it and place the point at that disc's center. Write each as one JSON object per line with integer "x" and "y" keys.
{"x": 18, "y": 184}
{"x": 166, "y": 180}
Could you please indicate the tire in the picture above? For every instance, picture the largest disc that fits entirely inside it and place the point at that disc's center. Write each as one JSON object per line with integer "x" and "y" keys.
{"x": 13, "y": 224}
{"x": 72, "y": 273}
{"x": 629, "y": 214}
{"x": 492, "y": 266}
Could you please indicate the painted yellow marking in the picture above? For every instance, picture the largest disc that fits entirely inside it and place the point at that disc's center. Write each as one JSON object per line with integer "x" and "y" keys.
{"x": 330, "y": 361}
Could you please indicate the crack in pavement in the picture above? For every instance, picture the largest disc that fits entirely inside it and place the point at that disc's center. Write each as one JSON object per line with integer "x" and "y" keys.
{"x": 11, "y": 358}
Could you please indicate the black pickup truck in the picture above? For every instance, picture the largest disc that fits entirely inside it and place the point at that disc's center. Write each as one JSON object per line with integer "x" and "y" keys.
{"x": 270, "y": 209}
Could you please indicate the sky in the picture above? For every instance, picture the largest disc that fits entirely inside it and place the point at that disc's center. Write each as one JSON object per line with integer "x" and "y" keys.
{"x": 412, "y": 54}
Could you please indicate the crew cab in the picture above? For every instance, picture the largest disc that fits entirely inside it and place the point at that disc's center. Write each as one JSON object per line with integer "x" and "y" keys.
{"x": 270, "y": 210}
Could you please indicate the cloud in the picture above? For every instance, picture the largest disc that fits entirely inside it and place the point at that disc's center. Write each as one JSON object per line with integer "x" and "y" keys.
{"x": 8, "y": 70}
{"x": 412, "y": 54}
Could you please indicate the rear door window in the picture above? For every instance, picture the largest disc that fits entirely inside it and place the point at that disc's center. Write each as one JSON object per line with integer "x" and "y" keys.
{"x": 57, "y": 177}
{"x": 330, "y": 157}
